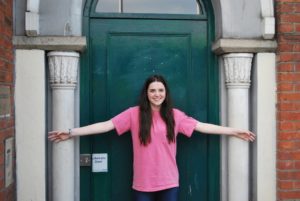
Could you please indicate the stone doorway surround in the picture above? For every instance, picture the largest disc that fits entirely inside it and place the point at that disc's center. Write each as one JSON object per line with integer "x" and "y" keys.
{"x": 234, "y": 54}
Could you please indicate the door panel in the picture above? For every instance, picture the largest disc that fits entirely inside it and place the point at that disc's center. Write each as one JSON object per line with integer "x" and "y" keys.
{"x": 122, "y": 54}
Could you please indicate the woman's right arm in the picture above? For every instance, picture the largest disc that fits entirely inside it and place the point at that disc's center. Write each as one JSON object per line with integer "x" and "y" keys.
{"x": 101, "y": 127}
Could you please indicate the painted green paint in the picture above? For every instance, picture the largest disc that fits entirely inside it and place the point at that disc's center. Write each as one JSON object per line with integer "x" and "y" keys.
{"x": 121, "y": 54}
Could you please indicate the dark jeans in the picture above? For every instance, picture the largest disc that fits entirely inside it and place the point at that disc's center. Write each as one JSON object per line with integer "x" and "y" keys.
{"x": 170, "y": 194}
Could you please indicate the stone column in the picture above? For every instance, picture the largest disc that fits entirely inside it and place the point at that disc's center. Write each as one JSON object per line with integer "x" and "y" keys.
{"x": 237, "y": 73}
{"x": 63, "y": 79}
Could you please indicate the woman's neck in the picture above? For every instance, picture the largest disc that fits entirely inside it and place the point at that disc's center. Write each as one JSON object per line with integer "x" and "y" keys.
{"x": 155, "y": 108}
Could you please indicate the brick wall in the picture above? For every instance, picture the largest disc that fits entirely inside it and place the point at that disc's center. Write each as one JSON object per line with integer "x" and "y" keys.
{"x": 7, "y": 192}
{"x": 288, "y": 107}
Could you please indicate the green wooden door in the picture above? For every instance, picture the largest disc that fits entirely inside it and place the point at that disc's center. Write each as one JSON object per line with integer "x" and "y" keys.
{"x": 121, "y": 54}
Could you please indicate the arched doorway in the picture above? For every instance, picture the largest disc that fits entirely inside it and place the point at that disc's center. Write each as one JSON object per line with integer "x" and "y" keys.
{"x": 124, "y": 49}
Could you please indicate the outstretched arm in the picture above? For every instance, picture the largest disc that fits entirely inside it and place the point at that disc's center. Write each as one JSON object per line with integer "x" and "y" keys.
{"x": 101, "y": 127}
{"x": 215, "y": 129}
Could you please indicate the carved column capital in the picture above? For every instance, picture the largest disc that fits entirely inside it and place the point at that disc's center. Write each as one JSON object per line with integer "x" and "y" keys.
{"x": 238, "y": 69}
{"x": 63, "y": 68}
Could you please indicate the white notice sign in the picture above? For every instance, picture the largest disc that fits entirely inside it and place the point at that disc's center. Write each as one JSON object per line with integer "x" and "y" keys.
{"x": 9, "y": 176}
{"x": 99, "y": 162}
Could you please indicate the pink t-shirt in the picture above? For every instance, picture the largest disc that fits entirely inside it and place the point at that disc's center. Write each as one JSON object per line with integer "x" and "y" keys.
{"x": 154, "y": 165}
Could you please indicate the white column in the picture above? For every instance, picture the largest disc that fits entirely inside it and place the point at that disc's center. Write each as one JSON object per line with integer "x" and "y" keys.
{"x": 237, "y": 73}
{"x": 30, "y": 104}
{"x": 264, "y": 148}
{"x": 63, "y": 79}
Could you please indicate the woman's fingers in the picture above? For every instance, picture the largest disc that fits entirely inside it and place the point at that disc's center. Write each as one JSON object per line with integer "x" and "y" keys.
{"x": 54, "y": 138}
{"x": 57, "y": 136}
{"x": 246, "y": 135}
{"x": 251, "y": 136}
{"x": 52, "y": 135}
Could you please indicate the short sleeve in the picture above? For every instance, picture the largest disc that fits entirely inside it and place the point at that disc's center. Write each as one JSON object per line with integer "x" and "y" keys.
{"x": 122, "y": 121}
{"x": 185, "y": 124}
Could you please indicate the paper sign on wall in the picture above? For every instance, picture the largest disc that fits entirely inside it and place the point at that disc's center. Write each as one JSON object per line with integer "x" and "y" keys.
{"x": 9, "y": 176}
{"x": 99, "y": 162}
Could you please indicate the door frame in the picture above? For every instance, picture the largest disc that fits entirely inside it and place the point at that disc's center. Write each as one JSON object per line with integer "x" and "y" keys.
{"x": 214, "y": 183}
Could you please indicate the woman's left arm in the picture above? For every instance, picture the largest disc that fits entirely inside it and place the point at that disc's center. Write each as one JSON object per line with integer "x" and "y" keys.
{"x": 215, "y": 129}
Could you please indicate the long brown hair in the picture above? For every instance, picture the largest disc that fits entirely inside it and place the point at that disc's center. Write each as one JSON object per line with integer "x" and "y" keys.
{"x": 166, "y": 112}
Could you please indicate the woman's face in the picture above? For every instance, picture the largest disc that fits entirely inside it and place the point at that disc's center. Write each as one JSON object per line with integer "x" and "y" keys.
{"x": 156, "y": 94}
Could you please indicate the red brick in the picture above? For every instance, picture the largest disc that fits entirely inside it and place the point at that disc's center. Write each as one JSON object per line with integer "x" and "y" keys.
{"x": 289, "y": 194}
{"x": 2, "y": 183}
{"x": 2, "y": 158}
{"x": 285, "y": 165}
{"x": 288, "y": 96}
{"x": 287, "y": 1}
{"x": 285, "y": 87}
{"x": 2, "y": 14}
{"x": 288, "y": 115}
{"x": 9, "y": 55}
{"x": 288, "y": 76}
{"x": 296, "y": 55}
{"x": 285, "y": 57}
{"x": 280, "y": 38}
{"x": 297, "y": 126}
{"x": 297, "y": 87}
{"x": 288, "y": 135}
{"x": 283, "y": 145}
{"x": 8, "y": 44}
{"x": 292, "y": 37}
{"x": 288, "y": 175}
{"x": 297, "y": 27}
{"x": 285, "y": 28}
{"x": 285, "y": 8}
{"x": 296, "y": 47}
{"x": 6, "y": 77}
{"x": 297, "y": 8}
{"x": 297, "y": 184}
{"x": 289, "y": 57}
{"x": 281, "y": 155}
{"x": 297, "y": 67}
{"x": 2, "y": 195}
{"x": 2, "y": 41}
{"x": 9, "y": 33}
{"x": 3, "y": 65}
{"x": 286, "y": 126}
{"x": 2, "y": 62}
{"x": 288, "y": 37}
{"x": 289, "y": 17}
{"x": 285, "y": 47}
{"x": 296, "y": 156}
{"x": 288, "y": 155}
{"x": 5, "y": 123}
{"x": 285, "y": 185}
{"x": 291, "y": 106}
{"x": 5, "y": 133}
{"x": 297, "y": 164}
{"x": 2, "y": 172}
{"x": 285, "y": 67}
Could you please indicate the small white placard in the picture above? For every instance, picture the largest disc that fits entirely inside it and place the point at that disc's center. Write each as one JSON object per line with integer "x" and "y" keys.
{"x": 9, "y": 161}
{"x": 99, "y": 162}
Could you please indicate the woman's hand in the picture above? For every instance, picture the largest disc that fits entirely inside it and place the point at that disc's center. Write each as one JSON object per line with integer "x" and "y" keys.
{"x": 215, "y": 129}
{"x": 58, "y": 136}
{"x": 244, "y": 135}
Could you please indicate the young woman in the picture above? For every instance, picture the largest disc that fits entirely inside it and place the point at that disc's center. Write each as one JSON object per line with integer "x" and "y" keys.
{"x": 154, "y": 125}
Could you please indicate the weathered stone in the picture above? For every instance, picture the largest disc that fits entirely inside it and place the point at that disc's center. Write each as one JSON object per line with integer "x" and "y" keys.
{"x": 56, "y": 43}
